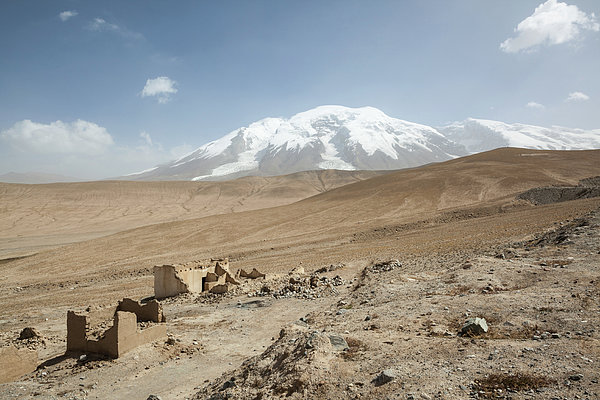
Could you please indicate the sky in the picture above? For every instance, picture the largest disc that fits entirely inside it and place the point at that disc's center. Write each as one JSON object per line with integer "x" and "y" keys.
{"x": 105, "y": 88}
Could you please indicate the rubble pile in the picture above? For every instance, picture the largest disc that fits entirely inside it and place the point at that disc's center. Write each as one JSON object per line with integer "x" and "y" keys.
{"x": 384, "y": 266}
{"x": 310, "y": 287}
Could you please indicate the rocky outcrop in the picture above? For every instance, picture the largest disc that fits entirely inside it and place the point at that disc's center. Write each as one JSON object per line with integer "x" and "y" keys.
{"x": 587, "y": 188}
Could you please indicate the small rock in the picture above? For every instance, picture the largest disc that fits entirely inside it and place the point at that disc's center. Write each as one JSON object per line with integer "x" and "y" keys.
{"x": 338, "y": 343}
{"x": 576, "y": 377}
{"x": 229, "y": 384}
{"x": 153, "y": 397}
{"x": 385, "y": 376}
{"x": 474, "y": 326}
{"x": 83, "y": 357}
{"x": 29, "y": 333}
{"x": 301, "y": 323}
{"x": 299, "y": 270}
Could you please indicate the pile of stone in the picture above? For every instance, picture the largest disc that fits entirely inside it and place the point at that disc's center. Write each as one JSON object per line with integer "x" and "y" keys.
{"x": 331, "y": 267}
{"x": 384, "y": 266}
{"x": 29, "y": 338}
{"x": 310, "y": 287}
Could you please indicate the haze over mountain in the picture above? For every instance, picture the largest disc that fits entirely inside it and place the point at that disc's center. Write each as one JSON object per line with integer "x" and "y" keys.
{"x": 478, "y": 135}
{"x": 337, "y": 137}
{"x": 35, "y": 178}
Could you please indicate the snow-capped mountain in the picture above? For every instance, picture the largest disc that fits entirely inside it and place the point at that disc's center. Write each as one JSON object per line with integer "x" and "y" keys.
{"x": 327, "y": 137}
{"x": 336, "y": 137}
{"x": 478, "y": 135}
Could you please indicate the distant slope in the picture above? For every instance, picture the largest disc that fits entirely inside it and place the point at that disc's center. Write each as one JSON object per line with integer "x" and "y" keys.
{"x": 35, "y": 178}
{"x": 482, "y": 184}
{"x": 76, "y": 211}
{"x": 478, "y": 135}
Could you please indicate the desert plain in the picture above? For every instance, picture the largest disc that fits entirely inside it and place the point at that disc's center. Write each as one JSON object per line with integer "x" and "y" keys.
{"x": 370, "y": 278}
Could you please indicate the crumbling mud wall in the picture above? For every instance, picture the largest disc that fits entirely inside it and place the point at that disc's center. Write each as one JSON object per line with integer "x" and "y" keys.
{"x": 254, "y": 274}
{"x": 15, "y": 363}
{"x": 123, "y": 336}
{"x": 151, "y": 311}
{"x": 194, "y": 277}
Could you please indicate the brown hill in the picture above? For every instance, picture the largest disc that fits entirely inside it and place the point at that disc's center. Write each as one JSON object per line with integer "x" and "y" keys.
{"x": 460, "y": 235}
{"x": 464, "y": 202}
{"x": 34, "y": 216}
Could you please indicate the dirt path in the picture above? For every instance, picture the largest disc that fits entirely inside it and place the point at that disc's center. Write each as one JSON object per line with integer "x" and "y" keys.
{"x": 211, "y": 339}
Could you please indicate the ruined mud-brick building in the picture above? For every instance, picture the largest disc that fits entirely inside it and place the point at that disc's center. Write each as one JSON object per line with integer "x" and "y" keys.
{"x": 211, "y": 276}
{"x": 125, "y": 334}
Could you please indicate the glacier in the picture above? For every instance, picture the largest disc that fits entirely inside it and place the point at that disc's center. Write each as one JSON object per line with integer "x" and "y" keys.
{"x": 338, "y": 137}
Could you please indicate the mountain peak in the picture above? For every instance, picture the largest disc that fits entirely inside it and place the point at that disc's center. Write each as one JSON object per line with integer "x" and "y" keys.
{"x": 479, "y": 135}
{"x": 339, "y": 137}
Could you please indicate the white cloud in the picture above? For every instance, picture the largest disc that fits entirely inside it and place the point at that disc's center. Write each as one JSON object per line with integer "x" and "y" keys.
{"x": 577, "y": 96}
{"x": 162, "y": 88}
{"x": 101, "y": 25}
{"x": 65, "y": 15}
{"x": 537, "y": 106}
{"x": 80, "y": 136}
{"x": 80, "y": 149}
{"x": 551, "y": 23}
{"x": 144, "y": 135}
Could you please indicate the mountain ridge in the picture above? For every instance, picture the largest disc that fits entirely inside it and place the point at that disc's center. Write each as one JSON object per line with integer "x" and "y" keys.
{"x": 338, "y": 137}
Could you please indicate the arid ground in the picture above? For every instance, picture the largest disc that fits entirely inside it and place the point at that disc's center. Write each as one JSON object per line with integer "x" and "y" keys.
{"x": 465, "y": 246}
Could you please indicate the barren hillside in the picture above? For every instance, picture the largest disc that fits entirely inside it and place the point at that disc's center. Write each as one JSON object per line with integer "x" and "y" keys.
{"x": 439, "y": 221}
{"x": 34, "y": 216}
{"x": 416, "y": 203}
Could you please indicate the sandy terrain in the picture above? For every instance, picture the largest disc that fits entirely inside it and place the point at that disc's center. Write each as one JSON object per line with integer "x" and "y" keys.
{"x": 445, "y": 223}
{"x": 34, "y": 217}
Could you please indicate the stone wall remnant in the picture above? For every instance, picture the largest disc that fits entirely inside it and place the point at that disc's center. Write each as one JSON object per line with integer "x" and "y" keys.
{"x": 193, "y": 277}
{"x": 122, "y": 336}
{"x": 254, "y": 274}
{"x": 151, "y": 311}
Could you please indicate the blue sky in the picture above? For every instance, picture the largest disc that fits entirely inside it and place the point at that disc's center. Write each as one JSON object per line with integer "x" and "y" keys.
{"x": 98, "y": 89}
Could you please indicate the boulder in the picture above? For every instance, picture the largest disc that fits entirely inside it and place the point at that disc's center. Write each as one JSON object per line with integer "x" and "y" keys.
{"x": 474, "y": 326}
{"x": 338, "y": 343}
{"x": 385, "y": 376}
{"x": 29, "y": 333}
